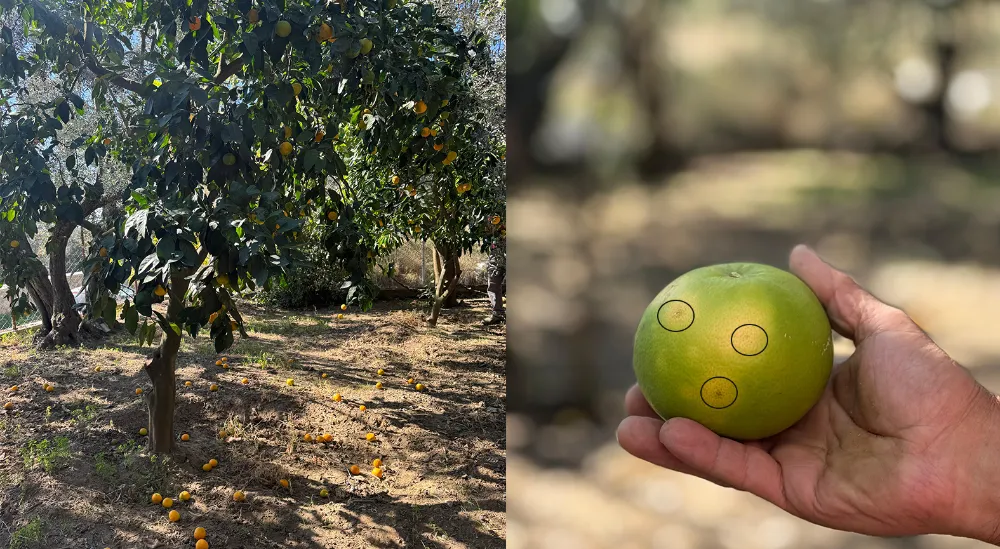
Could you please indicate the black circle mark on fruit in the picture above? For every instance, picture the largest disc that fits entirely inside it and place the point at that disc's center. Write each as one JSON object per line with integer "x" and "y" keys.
{"x": 733, "y": 343}
{"x": 668, "y": 303}
{"x": 701, "y": 393}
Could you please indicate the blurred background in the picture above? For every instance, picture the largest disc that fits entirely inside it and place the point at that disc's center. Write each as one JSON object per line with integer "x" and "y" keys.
{"x": 646, "y": 138}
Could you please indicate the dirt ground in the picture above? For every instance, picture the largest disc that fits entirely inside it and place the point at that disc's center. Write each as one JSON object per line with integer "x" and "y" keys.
{"x": 74, "y": 471}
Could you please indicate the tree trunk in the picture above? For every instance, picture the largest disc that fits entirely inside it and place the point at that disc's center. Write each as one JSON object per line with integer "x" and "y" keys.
{"x": 456, "y": 273}
{"x": 161, "y": 368}
{"x": 446, "y": 272}
{"x": 39, "y": 290}
{"x": 65, "y": 318}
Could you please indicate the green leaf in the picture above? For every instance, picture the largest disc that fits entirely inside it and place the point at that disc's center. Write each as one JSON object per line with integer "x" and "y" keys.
{"x": 131, "y": 319}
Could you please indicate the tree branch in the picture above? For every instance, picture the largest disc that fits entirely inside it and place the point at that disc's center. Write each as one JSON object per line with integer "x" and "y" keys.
{"x": 94, "y": 228}
{"x": 57, "y": 27}
{"x": 228, "y": 69}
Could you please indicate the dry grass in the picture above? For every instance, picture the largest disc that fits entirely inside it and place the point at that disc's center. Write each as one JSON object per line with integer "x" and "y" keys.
{"x": 74, "y": 471}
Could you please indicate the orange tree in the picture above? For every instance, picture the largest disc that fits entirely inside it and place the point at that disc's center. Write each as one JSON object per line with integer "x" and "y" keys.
{"x": 228, "y": 114}
{"x": 442, "y": 179}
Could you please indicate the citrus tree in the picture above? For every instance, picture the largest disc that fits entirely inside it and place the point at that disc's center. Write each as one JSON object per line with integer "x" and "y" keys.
{"x": 445, "y": 181}
{"x": 228, "y": 114}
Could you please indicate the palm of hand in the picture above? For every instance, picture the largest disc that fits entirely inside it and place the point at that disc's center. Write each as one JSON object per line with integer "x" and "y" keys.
{"x": 873, "y": 455}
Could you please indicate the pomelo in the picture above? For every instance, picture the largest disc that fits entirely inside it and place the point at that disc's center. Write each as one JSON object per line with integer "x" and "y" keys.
{"x": 742, "y": 348}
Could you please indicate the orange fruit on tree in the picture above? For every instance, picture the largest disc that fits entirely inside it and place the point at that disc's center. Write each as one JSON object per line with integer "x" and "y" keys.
{"x": 194, "y": 23}
{"x": 200, "y": 533}
{"x": 285, "y": 148}
{"x": 283, "y": 28}
{"x": 174, "y": 516}
{"x": 762, "y": 342}
{"x": 420, "y": 107}
{"x": 438, "y": 146}
{"x": 434, "y": 132}
{"x": 425, "y": 132}
{"x": 319, "y": 136}
{"x": 332, "y": 216}
{"x": 355, "y": 470}
{"x": 159, "y": 291}
{"x": 201, "y": 544}
{"x": 156, "y": 498}
{"x": 325, "y": 33}
{"x": 253, "y": 16}
{"x": 296, "y": 88}
{"x": 107, "y": 140}
{"x": 14, "y": 243}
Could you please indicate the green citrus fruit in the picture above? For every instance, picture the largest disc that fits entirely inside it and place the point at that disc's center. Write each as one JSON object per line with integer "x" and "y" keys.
{"x": 742, "y": 348}
{"x": 283, "y": 28}
{"x": 366, "y": 46}
{"x": 229, "y": 159}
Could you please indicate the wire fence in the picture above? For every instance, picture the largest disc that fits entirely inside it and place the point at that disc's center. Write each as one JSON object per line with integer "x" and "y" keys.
{"x": 413, "y": 262}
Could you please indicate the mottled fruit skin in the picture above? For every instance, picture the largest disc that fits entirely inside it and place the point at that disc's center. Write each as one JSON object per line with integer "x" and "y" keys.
{"x": 742, "y": 348}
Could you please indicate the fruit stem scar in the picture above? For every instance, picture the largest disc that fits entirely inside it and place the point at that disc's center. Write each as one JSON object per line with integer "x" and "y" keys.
{"x": 734, "y": 274}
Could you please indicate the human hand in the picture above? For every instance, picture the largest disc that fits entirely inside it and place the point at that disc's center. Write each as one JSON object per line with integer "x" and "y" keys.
{"x": 903, "y": 441}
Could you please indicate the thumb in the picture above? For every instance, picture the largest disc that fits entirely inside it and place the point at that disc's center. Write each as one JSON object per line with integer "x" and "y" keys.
{"x": 853, "y": 312}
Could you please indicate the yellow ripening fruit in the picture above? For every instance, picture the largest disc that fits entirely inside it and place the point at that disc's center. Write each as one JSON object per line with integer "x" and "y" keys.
{"x": 420, "y": 107}
{"x": 288, "y": 132}
{"x": 283, "y": 28}
{"x": 425, "y": 132}
{"x": 174, "y": 516}
{"x": 168, "y": 503}
{"x": 239, "y": 496}
{"x": 14, "y": 243}
{"x": 370, "y": 437}
{"x": 143, "y": 431}
{"x": 376, "y": 462}
{"x": 378, "y": 385}
{"x": 395, "y": 180}
{"x": 184, "y": 496}
{"x": 324, "y": 493}
{"x": 296, "y": 88}
{"x": 332, "y": 216}
{"x": 156, "y": 498}
{"x": 336, "y": 397}
{"x": 419, "y": 387}
{"x": 199, "y": 533}
{"x": 343, "y": 307}
{"x": 285, "y": 148}
{"x": 325, "y": 33}
{"x": 160, "y": 291}
{"x": 377, "y": 471}
{"x": 362, "y": 408}
{"x": 495, "y": 220}
{"x": 452, "y": 155}
{"x": 380, "y": 372}
{"x": 290, "y": 382}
